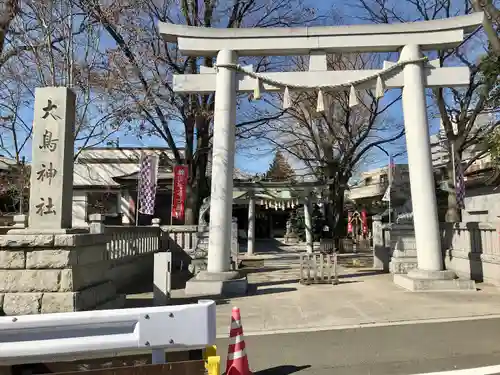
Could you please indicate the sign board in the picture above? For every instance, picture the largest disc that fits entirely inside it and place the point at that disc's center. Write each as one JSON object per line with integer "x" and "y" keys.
{"x": 179, "y": 191}
{"x": 387, "y": 195}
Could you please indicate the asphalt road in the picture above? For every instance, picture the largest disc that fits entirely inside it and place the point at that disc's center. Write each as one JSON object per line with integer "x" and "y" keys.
{"x": 407, "y": 349}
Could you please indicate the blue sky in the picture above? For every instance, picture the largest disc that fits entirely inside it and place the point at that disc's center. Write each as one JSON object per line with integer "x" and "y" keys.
{"x": 258, "y": 161}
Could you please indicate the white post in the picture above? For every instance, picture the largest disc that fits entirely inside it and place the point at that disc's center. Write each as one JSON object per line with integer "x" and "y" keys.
{"x": 380, "y": 252}
{"x": 425, "y": 216}
{"x": 219, "y": 246}
{"x": 251, "y": 226}
{"x": 391, "y": 177}
{"x": 390, "y": 208}
{"x": 162, "y": 272}
{"x": 308, "y": 223}
{"x": 158, "y": 356}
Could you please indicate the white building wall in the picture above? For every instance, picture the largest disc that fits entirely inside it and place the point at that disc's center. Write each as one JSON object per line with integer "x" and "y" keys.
{"x": 482, "y": 204}
{"x": 440, "y": 156}
{"x": 79, "y": 209}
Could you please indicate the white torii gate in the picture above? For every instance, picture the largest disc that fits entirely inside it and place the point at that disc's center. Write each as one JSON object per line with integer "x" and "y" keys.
{"x": 412, "y": 73}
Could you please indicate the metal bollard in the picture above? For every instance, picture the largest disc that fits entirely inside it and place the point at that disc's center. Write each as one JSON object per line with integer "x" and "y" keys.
{"x": 212, "y": 360}
{"x": 213, "y": 365}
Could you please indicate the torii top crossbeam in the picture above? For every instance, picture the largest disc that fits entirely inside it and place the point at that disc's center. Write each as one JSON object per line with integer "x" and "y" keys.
{"x": 429, "y": 35}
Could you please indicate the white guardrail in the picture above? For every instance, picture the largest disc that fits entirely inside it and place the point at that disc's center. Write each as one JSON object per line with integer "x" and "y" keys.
{"x": 76, "y": 335}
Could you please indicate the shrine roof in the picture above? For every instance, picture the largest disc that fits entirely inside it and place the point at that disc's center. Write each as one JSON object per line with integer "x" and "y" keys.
{"x": 101, "y": 174}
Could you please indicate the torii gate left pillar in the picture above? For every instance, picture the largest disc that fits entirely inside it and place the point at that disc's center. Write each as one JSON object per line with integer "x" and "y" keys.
{"x": 221, "y": 198}
{"x": 410, "y": 38}
{"x": 218, "y": 278}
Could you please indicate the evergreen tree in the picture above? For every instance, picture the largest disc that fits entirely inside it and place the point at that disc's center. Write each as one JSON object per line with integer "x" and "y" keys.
{"x": 280, "y": 170}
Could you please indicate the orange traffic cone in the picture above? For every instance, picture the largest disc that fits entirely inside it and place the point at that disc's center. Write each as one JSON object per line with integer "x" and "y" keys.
{"x": 237, "y": 361}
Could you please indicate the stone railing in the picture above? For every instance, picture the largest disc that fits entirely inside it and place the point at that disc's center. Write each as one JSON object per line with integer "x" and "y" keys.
{"x": 471, "y": 249}
{"x": 479, "y": 238}
{"x": 131, "y": 241}
{"x": 130, "y": 250}
{"x": 189, "y": 245}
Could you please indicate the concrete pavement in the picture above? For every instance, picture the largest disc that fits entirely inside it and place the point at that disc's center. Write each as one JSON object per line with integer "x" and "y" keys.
{"x": 278, "y": 303}
{"x": 281, "y": 304}
{"x": 405, "y": 349}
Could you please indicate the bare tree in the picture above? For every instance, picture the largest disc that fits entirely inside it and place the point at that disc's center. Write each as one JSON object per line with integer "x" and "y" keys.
{"x": 142, "y": 64}
{"x": 54, "y": 45}
{"x": 331, "y": 144}
{"x": 492, "y": 18}
{"x": 9, "y": 9}
{"x": 459, "y": 109}
{"x": 60, "y": 48}
{"x": 14, "y": 187}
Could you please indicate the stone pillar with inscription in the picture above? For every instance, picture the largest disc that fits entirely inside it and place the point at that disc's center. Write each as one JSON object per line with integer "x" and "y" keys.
{"x": 52, "y": 154}
{"x": 48, "y": 266}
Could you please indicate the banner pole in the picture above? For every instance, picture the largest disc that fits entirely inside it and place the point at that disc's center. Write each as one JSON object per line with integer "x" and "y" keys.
{"x": 390, "y": 187}
{"x": 137, "y": 195}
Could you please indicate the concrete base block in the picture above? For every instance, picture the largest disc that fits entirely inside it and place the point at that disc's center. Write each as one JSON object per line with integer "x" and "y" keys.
{"x": 217, "y": 284}
{"x": 433, "y": 281}
{"x": 403, "y": 261}
{"x": 217, "y": 276}
{"x": 402, "y": 265}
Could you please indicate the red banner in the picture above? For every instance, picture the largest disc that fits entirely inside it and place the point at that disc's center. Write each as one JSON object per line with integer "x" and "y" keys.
{"x": 179, "y": 191}
{"x": 349, "y": 222}
{"x": 364, "y": 220}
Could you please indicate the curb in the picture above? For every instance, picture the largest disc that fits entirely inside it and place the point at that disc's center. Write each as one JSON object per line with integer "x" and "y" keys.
{"x": 366, "y": 325}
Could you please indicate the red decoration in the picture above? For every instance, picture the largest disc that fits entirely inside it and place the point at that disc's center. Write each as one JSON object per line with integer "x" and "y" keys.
{"x": 349, "y": 222}
{"x": 179, "y": 191}
{"x": 364, "y": 220}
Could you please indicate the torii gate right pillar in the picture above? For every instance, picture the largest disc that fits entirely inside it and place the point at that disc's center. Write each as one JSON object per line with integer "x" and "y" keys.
{"x": 429, "y": 274}
{"x": 425, "y": 216}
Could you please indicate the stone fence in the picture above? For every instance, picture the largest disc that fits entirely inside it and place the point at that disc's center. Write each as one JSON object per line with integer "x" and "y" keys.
{"x": 130, "y": 253}
{"x": 189, "y": 245}
{"x": 474, "y": 251}
{"x": 470, "y": 249}
{"x": 43, "y": 273}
